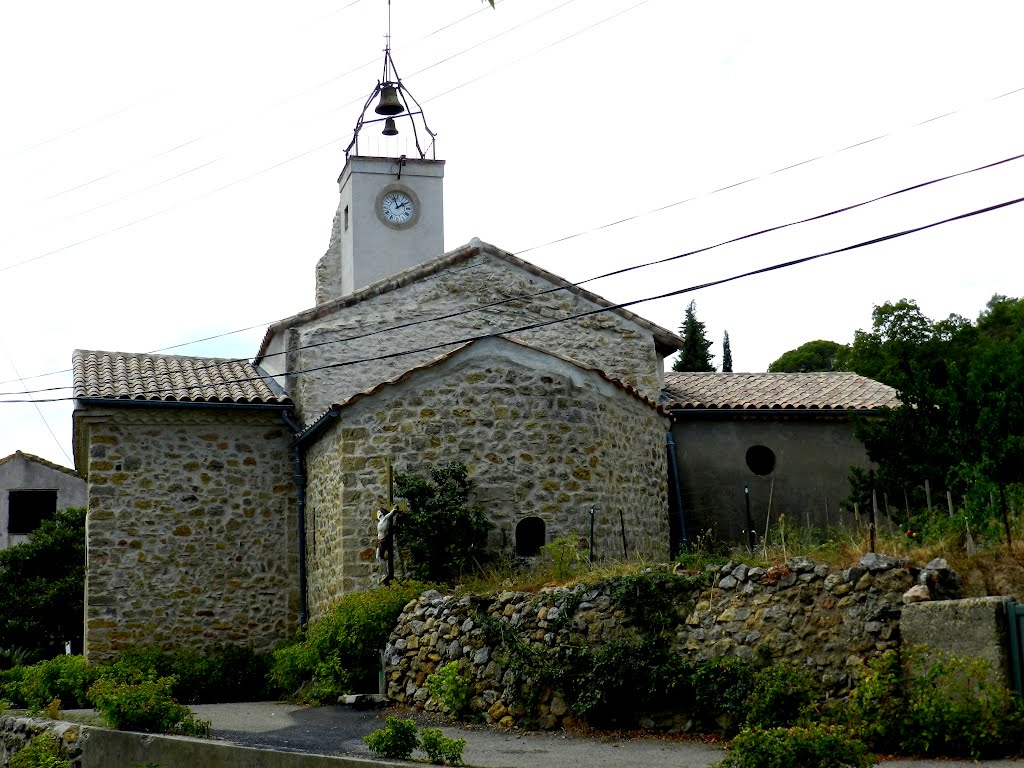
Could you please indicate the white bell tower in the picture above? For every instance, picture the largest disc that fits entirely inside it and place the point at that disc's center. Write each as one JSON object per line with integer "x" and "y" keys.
{"x": 391, "y": 214}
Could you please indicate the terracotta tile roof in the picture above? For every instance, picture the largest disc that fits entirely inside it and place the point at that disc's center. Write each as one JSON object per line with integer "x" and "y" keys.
{"x": 666, "y": 340}
{"x": 777, "y": 391}
{"x": 170, "y": 378}
{"x": 37, "y": 460}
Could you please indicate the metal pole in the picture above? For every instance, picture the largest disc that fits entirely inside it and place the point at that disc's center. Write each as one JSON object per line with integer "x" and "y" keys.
{"x": 750, "y": 521}
{"x": 593, "y": 507}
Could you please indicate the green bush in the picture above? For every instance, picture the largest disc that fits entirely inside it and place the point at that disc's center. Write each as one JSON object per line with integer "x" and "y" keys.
{"x": 443, "y": 534}
{"x": 63, "y": 677}
{"x": 146, "y": 705}
{"x": 42, "y": 752}
{"x": 228, "y": 673}
{"x": 780, "y": 696}
{"x": 935, "y": 704}
{"x": 440, "y": 749}
{"x": 450, "y": 688}
{"x": 812, "y": 746}
{"x": 721, "y": 689}
{"x": 340, "y": 652}
{"x": 395, "y": 741}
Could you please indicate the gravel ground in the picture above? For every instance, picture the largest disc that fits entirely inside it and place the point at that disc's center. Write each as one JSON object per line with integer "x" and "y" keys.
{"x": 340, "y": 730}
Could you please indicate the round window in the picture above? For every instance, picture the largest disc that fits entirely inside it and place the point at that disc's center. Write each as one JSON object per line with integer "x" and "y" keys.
{"x": 760, "y": 460}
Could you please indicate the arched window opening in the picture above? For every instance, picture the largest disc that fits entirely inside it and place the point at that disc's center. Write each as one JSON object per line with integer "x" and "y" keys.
{"x": 530, "y": 534}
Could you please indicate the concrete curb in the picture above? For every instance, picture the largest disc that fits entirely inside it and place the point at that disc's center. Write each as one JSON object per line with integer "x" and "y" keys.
{"x": 105, "y": 748}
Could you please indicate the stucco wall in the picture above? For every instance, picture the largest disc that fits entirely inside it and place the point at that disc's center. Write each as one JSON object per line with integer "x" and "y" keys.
{"x": 191, "y": 529}
{"x": 810, "y": 479}
{"x": 606, "y": 341}
{"x": 22, "y": 473}
{"x": 540, "y": 437}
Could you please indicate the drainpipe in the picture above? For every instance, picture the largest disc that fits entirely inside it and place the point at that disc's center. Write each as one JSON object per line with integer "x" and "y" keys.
{"x": 673, "y": 469}
{"x": 300, "y": 507}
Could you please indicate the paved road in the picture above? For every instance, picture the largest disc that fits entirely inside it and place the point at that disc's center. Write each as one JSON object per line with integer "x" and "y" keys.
{"x": 339, "y": 731}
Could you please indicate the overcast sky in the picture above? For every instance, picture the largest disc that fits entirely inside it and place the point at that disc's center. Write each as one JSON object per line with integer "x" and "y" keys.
{"x": 168, "y": 171}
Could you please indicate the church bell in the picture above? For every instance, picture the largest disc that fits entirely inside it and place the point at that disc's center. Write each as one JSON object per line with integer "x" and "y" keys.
{"x": 389, "y": 103}
{"x": 389, "y": 127}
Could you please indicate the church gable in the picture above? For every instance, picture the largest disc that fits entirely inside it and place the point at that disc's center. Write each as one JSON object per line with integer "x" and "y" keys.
{"x": 541, "y": 437}
{"x": 470, "y": 293}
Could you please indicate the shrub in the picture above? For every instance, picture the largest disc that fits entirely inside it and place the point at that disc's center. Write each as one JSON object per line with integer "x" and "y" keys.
{"x": 395, "y": 741}
{"x": 813, "y": 746}
{"x": 65, "y": 677}
{"x": 450, "y": 688}
{"x": 780, "y": 696}
{"x": 440, "y": 749}
{"x": 146, "y": 705}
{"x": 340, "y": 652}
{"x": 721, "y": 689}
{"x": 42, "y": 752}
{"x": 935, "y": 704}
{"x": 442, "y": 533}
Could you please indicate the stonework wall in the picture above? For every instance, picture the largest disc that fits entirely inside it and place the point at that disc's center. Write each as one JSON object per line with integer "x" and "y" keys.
{"x": 605, "y": 341}
{"x": 191, "y": 529}
{"x": 539, "y": 436}
{"x": 17, "y": 732}
{"x": 827, "y": 622}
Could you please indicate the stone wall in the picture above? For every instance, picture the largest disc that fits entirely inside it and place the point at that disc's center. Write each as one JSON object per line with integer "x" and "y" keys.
{"x": 827, "y": 622}
{"x": 606, "y": 341}
{"x": 16, "y": 732}
{"x": 539, "y": 435}
{"x": 191, "y": 530}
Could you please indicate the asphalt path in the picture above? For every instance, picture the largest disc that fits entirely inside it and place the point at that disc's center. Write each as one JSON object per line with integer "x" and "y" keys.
{"x": 340, "y": 731}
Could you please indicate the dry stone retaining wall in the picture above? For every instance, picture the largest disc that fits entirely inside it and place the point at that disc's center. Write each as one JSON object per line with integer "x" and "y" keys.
{"x": 17, "y": 732}
{"x": 827, "y": 622}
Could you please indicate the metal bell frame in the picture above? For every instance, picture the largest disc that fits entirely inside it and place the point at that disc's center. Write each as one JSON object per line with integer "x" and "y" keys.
{"x": 393, "y": 94}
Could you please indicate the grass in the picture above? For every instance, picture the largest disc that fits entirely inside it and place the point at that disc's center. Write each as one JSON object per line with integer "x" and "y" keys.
{"x": 978, "y": 553}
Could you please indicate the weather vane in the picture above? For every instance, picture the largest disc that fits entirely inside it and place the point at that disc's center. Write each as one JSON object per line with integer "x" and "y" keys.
{"x": 394, "y": 102}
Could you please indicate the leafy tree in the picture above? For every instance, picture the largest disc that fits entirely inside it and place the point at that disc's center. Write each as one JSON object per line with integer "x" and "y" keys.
{"x": 695, "y": 354}
{"x": 726, "y": 354}
{"x": 962, "y": 388}
{"x": 442, "y": 533}
{"x": 42, "y": 587}
{"x": 818, "y": 355}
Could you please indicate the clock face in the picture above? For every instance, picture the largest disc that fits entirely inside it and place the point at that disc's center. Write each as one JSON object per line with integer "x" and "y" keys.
{"x": 397, "y": 207}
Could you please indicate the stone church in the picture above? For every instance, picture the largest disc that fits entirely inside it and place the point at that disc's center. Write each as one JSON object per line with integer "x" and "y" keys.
{"x": 231, "y": 501}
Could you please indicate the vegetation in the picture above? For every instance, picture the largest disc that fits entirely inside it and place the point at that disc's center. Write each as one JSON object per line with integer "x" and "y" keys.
{"x": 809, "y": 746}
{"x": 42, "y": 588}
{"x": 42, "y": 752}
{"x": 726, "y": 354}
{"x": 695, "y": 354}
{"x": 398, "y": 739}
{"x": 818, "y": 355}
{"x": 339, "y": 653}
{"x": 441, "y": 535}
{"x": 146, "y": 705}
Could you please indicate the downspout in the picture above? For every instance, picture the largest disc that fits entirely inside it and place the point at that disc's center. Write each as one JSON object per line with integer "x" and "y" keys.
{"x": 673, "y": 469}
{"x": 298, "y": 456}
{"x": 300, "y": 508}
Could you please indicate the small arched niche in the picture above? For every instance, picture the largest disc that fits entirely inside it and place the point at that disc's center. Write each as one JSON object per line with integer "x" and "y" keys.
{"x": 760, "y": 460}
{"x": 530, "y": 535}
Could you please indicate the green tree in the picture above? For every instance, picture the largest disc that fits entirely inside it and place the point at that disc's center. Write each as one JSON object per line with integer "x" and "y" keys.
{"x": 42, "y": 587}
{"x": 695, "y": 354}
{"x": 442, "y": 533}
{"x": 817, "y": 355}
{"x": 962, "y": 389}
{"x": 726, "y": 354}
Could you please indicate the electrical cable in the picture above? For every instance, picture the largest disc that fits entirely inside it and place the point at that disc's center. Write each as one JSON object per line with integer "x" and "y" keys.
{"x": 600, "y": 310}
{"x": 613, "y": 273}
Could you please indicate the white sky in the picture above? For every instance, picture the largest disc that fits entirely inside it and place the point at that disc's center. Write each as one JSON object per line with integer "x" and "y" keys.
{"x": 168, "y": 171}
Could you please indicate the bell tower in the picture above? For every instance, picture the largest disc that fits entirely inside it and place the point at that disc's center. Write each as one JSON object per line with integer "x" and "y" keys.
{"x": 391, "y": 212}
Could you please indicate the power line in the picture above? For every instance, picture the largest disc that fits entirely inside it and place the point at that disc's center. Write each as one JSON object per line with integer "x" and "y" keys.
{"x": 603, "y": 309}
{"x": 613, "y": 273}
